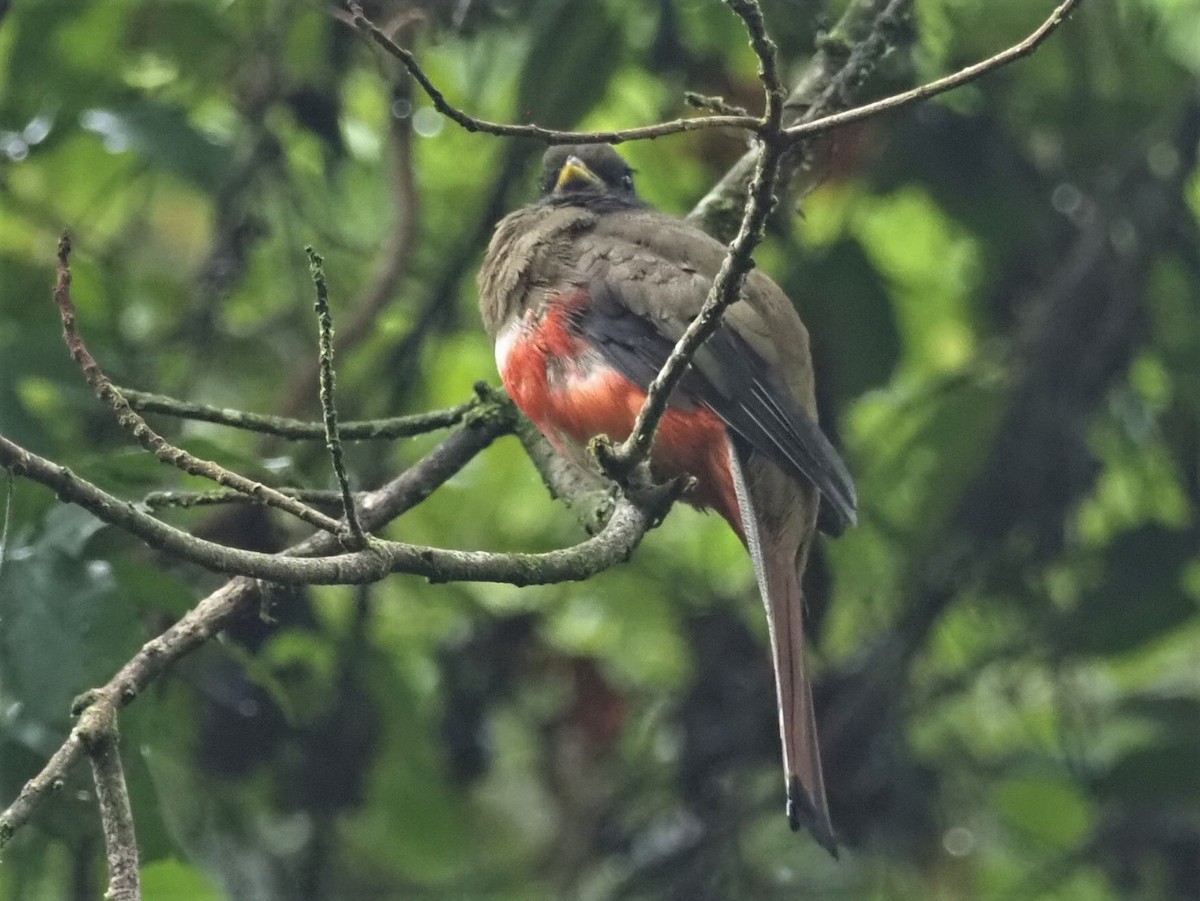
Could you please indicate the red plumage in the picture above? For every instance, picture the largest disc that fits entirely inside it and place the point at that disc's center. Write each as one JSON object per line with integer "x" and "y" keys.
{"x": 590, "y": 398}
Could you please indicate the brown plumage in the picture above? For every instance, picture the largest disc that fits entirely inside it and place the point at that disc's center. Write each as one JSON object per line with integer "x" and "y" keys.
{"x": 586, "y": 292}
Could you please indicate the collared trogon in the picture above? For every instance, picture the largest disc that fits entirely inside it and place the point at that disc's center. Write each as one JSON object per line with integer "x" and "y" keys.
{"x": 586, "y": 292}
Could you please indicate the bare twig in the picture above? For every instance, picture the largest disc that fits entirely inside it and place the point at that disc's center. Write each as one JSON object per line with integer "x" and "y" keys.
{"x": 298, "y": 429}
{"x": 98, "y": 734}
{"x": 158, "y": 500}
{"x": 333, "y": 441}
{"x": 716, "y": 104}
{"x": 549, "y": 135}
{"x": 727, "y": 285}
{"x": 141, "y": 431}
{"x": 8, "y": 493}
{"x": 768, "y": 70}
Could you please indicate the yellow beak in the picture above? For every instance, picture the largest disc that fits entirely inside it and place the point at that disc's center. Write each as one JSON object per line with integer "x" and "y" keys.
{"x": 575, "y": 175}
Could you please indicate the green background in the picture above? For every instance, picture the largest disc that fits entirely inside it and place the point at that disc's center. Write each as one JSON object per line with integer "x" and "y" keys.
{"x": 1002, "y": 289}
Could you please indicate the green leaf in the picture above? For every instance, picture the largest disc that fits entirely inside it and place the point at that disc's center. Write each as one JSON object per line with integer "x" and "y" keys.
{"x": 163, "y": 136}
{"x": 1048, "y": 810}
{"x": 64, "y": 624}
{"x": 173, "y": 880}
{"x": 568, "y": 67}
{"x": 1155, "y": 776}
{"x": 1177, "y": 715}
{"x": 849, "y": 315}
{"x": 211, "y": 829}
{"x": 1140, "y": 596}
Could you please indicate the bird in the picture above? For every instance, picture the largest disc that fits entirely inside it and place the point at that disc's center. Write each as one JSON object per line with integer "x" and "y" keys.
{"x": 585, "y": 292}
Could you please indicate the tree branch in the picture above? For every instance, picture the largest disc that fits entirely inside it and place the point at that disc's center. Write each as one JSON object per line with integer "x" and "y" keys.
{"x": 140, "y": 429}
{"x": 939, "y": 86}
{"x": 630, "y": 521}
{"x": 182, "y": 500}
{"x": 844, "y": 58}
{"x": 239, "y": 597}
{"x": 98, "y": 735}
{"x": 298, "y": 429}
{"x": 727, "y": 285}
{"x": 548, "y": 135}
{"x": 333, "y": 441}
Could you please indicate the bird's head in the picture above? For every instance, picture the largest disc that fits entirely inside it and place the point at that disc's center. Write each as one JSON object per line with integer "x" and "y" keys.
{"x": 587, "y": 175}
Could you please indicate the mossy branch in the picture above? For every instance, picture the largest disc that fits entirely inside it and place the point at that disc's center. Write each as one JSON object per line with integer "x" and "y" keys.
{"x": 145, "y": 436}
{"x": 387, "y": 429}
{"x": 100, "y": 738}
{"x": 333, "y": 442}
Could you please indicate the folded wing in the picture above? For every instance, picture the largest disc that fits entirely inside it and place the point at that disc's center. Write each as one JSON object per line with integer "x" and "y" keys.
{"x": 731, "y": 379}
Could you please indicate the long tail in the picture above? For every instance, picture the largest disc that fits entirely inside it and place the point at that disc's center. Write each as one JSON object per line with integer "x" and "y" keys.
{"x": 778, "y": 571}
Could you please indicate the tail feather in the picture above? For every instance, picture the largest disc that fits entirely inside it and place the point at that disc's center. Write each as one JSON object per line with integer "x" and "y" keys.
{"x": 778, "y": 571}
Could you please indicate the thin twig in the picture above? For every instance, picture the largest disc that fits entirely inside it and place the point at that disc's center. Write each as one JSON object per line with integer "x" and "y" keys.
{"x": 710, "y": 102}
{"x": 157, "y": 500}
{"x": 727, "y": 285}
{"x": 938, "y": 86}
{"x": 9, "y": 484}
{"x": 833, "y": 73}
{"x": 768, "y": 68}
{"x": 141, "y": 431}
{"x": 298, "y": 429}
{"x": 328, "y": 407}
{"x": 548, "y": 135}
{"x": 98, "y": 734}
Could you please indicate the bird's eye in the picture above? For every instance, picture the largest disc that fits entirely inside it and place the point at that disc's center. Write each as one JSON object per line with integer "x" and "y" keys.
{"x": 627, "y": 181}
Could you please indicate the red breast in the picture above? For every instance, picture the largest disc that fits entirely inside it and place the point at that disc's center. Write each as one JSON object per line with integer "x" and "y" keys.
{"x": 564, "y": 386}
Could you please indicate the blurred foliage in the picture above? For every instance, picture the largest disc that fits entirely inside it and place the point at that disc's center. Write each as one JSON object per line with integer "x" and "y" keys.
{"x": 1002, "y": 289}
